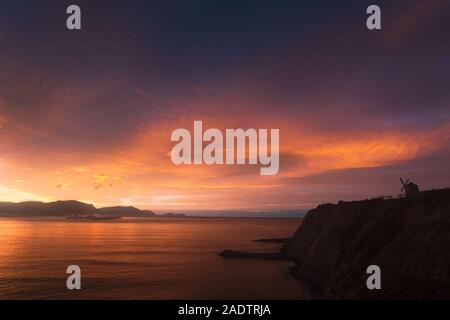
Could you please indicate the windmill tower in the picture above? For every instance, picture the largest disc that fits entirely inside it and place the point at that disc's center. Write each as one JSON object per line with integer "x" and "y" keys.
{"x": 410, "y": 188}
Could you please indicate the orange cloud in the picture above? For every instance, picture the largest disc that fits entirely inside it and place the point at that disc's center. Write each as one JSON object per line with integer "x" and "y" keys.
{"x": 152, "y": 181}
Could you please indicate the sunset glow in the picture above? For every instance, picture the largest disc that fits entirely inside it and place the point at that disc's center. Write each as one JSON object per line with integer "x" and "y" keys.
{"x": 88, "y": 116}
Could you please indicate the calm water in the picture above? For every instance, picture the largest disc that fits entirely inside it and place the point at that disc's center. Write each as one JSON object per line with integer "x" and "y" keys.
{"x": 143, "y": 259}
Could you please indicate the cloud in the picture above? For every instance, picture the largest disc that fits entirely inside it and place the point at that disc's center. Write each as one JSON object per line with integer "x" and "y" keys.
{"x": 79, "y": 114}
{"x": 12, "y": 195}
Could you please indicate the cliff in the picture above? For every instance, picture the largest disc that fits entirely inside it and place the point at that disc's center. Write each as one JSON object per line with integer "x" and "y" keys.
{"x": 408, "y": 238}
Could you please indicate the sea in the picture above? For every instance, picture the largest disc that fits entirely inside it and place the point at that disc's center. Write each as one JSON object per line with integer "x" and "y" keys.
{"x": 144, "y": 258}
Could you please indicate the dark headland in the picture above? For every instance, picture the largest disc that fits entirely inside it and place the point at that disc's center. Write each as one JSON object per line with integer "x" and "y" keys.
{"x": 74, "y": 210}
{"x": 408, "y": 238}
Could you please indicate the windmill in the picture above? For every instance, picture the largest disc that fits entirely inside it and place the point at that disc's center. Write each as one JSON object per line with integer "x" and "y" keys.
{"x": 410, "y": 188}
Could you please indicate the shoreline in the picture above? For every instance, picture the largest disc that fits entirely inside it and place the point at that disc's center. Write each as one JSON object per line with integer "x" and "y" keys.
{"x": 65, "y": 218}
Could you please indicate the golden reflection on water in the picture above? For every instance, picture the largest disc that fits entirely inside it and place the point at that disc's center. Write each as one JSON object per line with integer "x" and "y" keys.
{"x": 143, "y": 259}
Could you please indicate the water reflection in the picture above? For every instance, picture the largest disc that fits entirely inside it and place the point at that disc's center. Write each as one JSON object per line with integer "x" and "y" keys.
{"x": 143, "y": 259}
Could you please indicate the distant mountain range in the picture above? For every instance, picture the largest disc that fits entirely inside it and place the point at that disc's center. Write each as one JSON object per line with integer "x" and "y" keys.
{"x": 72, "y": 208}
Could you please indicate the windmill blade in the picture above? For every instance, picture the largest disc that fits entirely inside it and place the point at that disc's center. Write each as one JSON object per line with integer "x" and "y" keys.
{"x": 405, "y": 184}
{"x": 401, "y": 180}
{"x": 403, "y": 188}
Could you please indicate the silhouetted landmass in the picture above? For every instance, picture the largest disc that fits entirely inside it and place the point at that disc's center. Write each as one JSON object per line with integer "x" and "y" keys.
{"x": 408, "y": 238}
{"x": 35, "y": 208}
{"x": 70, "y": 208}
{"x": 173, "y": 215}
{"x": 125, "y": 211}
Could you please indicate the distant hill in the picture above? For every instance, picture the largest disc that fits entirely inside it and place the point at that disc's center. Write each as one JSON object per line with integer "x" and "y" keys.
{"x": 128, "y": 211}
{"x": 173, "y": 215}
{"x": 67, "y": 208}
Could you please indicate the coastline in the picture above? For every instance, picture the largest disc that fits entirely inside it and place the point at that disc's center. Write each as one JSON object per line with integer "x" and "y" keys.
{"x": 335, "y": 243}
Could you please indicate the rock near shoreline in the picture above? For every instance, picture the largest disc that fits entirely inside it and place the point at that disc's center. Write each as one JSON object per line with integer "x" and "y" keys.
{"x": 409, "y": 238}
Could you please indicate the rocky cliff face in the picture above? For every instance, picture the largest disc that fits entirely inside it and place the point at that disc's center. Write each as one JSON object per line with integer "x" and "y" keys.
{"x": 408, "y": 238}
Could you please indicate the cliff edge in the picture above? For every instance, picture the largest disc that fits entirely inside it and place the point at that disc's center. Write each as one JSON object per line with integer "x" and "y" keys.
{"x": 408, "y": 238}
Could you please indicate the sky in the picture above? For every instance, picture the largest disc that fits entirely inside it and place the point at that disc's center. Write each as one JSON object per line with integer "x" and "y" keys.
{"x": 88, "y": 114}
